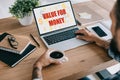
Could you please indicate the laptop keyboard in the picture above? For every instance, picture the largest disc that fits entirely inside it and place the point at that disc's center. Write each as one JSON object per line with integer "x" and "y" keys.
{"x": 62, "y": 36}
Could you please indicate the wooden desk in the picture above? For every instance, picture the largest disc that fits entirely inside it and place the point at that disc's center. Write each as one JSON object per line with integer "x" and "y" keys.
{"x": 83, "y": 60}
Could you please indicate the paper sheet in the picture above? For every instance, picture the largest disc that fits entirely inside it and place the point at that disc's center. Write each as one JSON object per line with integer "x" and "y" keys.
{"x": 114, "y": 69}
{"x": 85, "y": 15}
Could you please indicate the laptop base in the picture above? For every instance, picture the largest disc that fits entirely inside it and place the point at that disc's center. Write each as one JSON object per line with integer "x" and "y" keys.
{"x": 68, "y": 44}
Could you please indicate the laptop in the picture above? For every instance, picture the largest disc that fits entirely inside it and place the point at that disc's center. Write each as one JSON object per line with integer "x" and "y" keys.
{"x": 56, "y": 25}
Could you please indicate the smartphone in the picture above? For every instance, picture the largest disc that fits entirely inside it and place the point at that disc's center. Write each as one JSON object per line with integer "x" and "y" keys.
{"x": 99, "y": 31}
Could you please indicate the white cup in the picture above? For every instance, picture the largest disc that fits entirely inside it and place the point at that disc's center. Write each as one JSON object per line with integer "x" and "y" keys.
{"x": 58, "y": 55}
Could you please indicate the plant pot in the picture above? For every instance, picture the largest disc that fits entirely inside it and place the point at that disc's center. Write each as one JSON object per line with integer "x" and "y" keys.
{"x": 27, "y": 20}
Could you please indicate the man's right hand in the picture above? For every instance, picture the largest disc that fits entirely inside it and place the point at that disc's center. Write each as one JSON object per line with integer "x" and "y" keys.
{"x": 90, "y": 37}
{"x": 87, "y": 35}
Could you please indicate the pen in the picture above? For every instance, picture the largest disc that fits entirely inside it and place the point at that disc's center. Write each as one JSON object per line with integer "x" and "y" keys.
{"x": 34, "y": 40}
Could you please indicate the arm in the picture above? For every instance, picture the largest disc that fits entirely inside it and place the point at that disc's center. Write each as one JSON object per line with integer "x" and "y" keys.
{"x": 102, "y": 43}
{"x": 90, "y": 37}
{"x": 43, "y": 61}
{"x": 37, "y": 71}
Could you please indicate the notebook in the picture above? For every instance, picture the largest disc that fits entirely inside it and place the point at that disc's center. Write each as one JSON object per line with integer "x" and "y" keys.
{"x": 10, "y": 57}
{"x": 23, "y": 43}
{"x": 56, "y": 24}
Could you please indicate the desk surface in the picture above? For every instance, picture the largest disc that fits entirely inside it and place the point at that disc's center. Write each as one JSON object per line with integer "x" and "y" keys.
{"x": 83, "y": 60}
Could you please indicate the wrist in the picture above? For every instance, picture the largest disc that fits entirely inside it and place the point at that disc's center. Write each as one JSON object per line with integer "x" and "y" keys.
{"x": 102, "y": 43}
{"x": 37, "y": 71}
{"x": 38, "y": 65}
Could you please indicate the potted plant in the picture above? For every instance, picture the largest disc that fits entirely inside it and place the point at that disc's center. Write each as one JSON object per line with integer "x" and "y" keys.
{"x": 22, "y": 9}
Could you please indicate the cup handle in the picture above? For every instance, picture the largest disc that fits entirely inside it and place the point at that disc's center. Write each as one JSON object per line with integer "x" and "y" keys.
{"x": 64, "y": 59}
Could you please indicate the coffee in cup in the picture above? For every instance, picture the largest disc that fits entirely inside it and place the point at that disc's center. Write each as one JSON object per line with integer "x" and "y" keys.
{"x": 58, "y": 55}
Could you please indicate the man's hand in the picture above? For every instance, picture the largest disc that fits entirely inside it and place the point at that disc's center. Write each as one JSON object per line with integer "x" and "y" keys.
{"x": 90, "y": 37}
{"x": 43, "y": 61}
{"x": 87, "y": 35}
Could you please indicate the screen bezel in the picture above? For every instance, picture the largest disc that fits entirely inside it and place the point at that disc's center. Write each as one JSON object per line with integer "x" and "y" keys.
{"x": 58, "y": 29}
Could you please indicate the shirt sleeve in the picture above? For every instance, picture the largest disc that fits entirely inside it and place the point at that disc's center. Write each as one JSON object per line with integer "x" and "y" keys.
{"x": 37, "y": 79}
{"x": 112, "y": 55}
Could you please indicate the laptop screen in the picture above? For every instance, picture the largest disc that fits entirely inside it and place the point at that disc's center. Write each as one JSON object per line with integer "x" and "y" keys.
{"x": 54, "y": 17}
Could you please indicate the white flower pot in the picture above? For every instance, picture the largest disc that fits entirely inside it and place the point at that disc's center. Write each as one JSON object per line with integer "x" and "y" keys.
{"x": 27, "y": 20}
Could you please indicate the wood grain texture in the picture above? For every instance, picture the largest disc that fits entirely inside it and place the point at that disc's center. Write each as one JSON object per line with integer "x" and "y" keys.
{"x": 83, "y": 60}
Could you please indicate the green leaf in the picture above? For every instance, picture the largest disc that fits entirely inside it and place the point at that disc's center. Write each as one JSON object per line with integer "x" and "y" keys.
{"x": 21, "y": 8}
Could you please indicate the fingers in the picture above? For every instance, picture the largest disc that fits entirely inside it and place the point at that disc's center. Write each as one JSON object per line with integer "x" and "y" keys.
{"x": 49, "y": 50}
{"x": 82, "y": 31}
{"x": 58, "y": 62}
{"x": 80, "y": 37}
